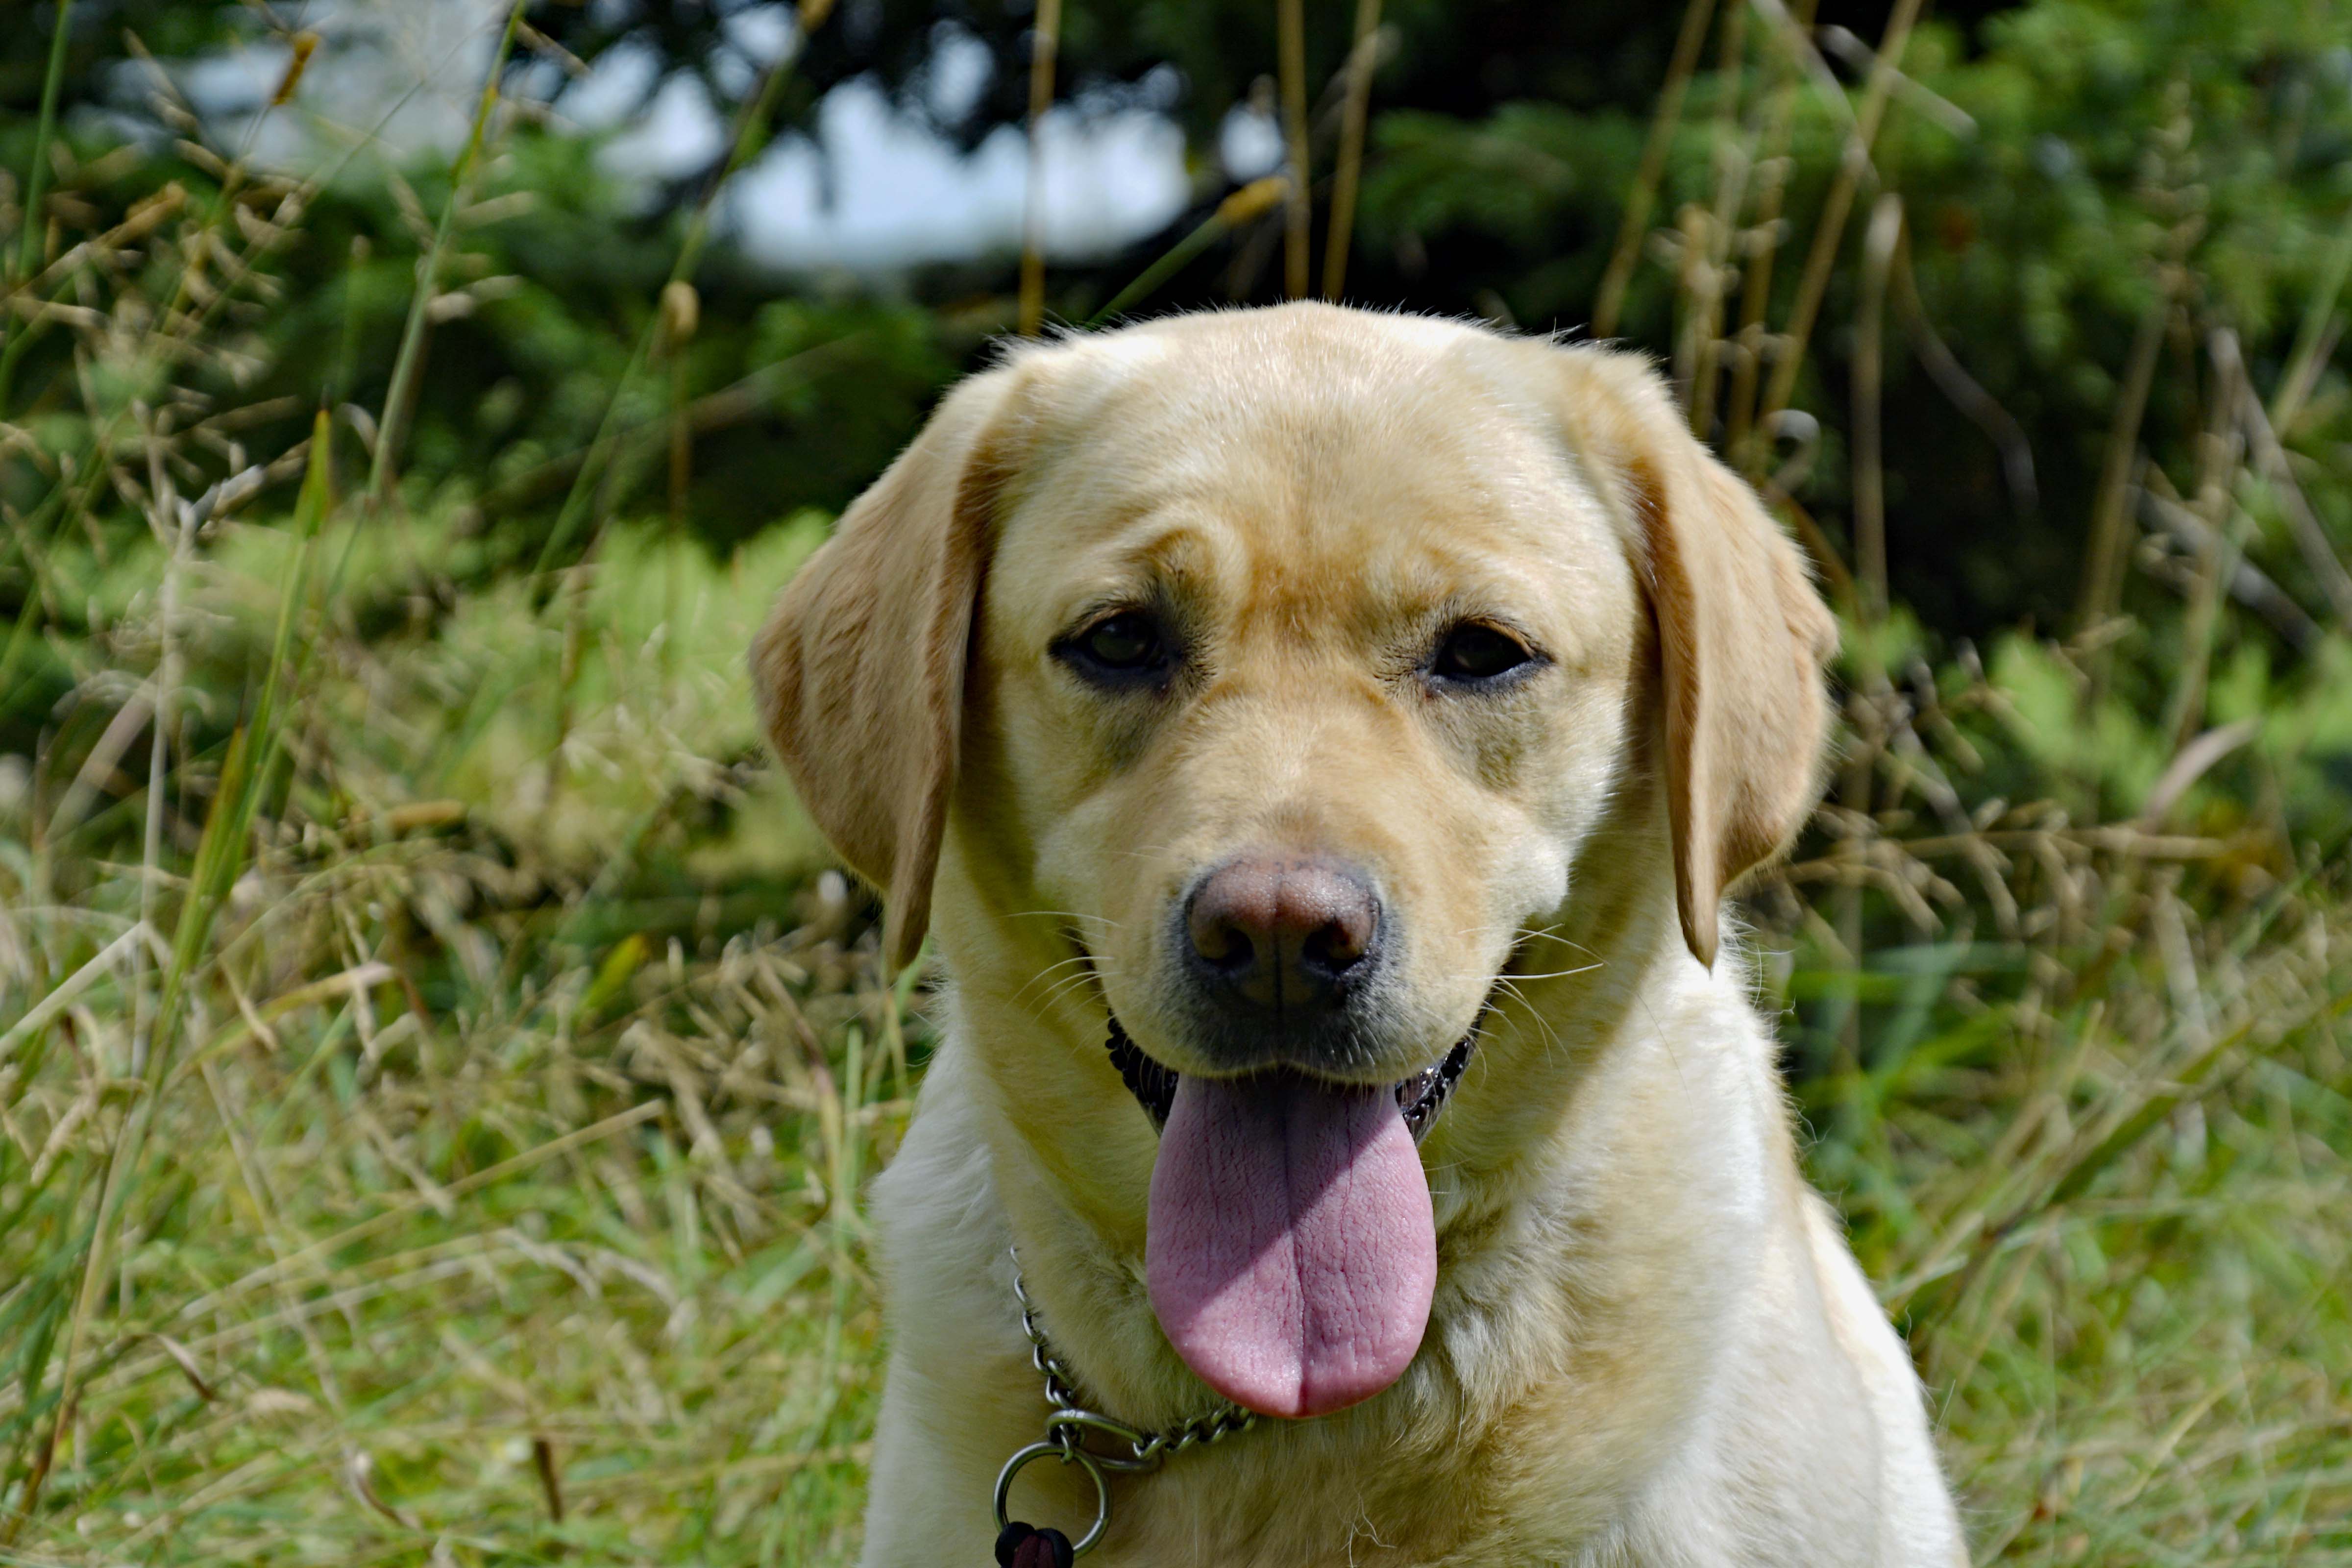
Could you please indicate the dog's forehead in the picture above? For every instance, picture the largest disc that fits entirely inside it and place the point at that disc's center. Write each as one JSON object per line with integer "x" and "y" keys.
{"x": 1297, "y": 434}
{"x": 1302, "y": 394}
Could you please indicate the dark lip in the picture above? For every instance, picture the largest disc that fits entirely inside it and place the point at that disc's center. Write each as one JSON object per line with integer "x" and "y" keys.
{"x": 1419, "y": 1098}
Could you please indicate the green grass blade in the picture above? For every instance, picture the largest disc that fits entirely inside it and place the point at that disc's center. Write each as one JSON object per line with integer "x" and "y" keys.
{"x": 36, "y": 189}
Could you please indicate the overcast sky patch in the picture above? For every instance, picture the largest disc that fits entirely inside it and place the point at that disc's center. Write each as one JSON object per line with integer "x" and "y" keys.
{"x": 877, "y": 188}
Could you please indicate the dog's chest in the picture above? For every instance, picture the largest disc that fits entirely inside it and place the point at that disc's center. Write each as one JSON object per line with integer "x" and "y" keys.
{"x": 1294, "y": 1497}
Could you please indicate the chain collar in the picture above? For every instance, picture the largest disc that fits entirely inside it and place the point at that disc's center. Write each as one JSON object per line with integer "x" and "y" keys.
{"x": 1131, "y": 1450}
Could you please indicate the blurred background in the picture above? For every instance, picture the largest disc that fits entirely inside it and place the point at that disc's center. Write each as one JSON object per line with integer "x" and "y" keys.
{"x": 437, "y": 1062}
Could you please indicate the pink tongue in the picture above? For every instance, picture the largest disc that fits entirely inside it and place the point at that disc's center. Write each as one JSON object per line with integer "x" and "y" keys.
{"x": 1291, "y": 1254}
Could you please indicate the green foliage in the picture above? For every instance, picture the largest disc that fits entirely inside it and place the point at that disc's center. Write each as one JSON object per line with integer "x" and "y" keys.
{"x": 790, "y": 402}
{"x": 2111, "y": 141}
{"x": 1507, "y": 177}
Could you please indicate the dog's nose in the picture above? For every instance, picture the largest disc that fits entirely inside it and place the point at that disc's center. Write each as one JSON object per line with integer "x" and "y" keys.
{"x": 1283, "y": 934}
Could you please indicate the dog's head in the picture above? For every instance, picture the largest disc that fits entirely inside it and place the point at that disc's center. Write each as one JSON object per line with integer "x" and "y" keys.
{"x": 1271, "y": 674}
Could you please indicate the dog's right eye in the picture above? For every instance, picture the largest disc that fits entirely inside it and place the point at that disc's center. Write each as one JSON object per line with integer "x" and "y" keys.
{"x": 1474, "y": 654}
{"x": 1119, "y": 648}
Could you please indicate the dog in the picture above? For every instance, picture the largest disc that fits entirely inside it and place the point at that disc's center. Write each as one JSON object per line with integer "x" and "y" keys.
{"x": 1317, "y": 744}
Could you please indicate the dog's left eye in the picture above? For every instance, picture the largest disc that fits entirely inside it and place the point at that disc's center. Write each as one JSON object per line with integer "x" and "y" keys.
{"x": 1129, "y": 646}
{"x": 1475, "y": 653}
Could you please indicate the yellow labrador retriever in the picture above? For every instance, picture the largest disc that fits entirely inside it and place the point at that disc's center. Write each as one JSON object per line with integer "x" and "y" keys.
{"x": 1319, "y": 743}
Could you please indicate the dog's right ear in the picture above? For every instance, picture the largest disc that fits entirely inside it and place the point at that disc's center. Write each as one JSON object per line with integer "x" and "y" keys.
{"x": 860, "y": 668}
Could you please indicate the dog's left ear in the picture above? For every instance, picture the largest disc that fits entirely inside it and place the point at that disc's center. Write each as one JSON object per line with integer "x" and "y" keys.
{"x": 860, "y": 668}
{"x": 1742, "y": 635}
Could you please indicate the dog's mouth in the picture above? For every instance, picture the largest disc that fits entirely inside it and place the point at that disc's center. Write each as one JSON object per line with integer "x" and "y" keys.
{"x": 1290, "y": 1246}
{"x": 1419, "y": 1098}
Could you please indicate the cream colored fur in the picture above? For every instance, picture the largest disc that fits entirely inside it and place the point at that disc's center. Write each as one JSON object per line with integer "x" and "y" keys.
{"x": 1649, "y": 1343}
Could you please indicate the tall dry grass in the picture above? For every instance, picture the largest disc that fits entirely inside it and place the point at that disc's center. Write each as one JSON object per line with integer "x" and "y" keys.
{"x": 436, "y": 1087}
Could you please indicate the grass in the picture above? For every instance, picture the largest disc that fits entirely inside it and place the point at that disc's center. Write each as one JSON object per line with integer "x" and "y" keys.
{"x": 500, "y": 1197}
{"x": 435, "y": 1087}
{"x": 467, "y": 1149}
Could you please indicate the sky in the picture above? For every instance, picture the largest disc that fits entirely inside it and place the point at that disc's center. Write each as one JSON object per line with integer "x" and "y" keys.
{"x": 876, "y": 189}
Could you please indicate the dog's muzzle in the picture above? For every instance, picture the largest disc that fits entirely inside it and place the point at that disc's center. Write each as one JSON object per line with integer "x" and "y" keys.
{"x": 1419, "y": 1098}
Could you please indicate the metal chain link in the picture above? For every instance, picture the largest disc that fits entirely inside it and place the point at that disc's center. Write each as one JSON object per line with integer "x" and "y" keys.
{"x": 1068, "y": 1426}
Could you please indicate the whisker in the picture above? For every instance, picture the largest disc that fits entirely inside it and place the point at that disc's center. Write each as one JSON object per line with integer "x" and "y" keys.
{"x": 1065, "y": 915}
{"x": 1065, "y": 963}
{"x": 1049, "y": 969}
{"x": 1063, "y": 990}
{"x": 1535, "y": 1015}
{"x": 1536, "y": 934}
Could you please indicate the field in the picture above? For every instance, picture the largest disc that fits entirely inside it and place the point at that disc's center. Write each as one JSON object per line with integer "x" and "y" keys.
{"x": 438, "y": 1072}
